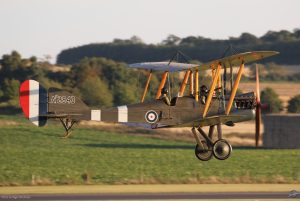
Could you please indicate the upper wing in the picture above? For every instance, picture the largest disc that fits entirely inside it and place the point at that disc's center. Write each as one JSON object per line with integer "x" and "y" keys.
{"x": 163, "y": 66}
{"x": 237, "y": 59}
{"x": 233, "y": 60}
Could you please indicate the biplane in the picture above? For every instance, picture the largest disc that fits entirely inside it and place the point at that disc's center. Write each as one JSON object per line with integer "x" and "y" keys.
{"x": 203, "y": 106}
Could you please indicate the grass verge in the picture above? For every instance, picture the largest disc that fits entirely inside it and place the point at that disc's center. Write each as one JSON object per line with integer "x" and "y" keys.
{"x": 37, "y": 156}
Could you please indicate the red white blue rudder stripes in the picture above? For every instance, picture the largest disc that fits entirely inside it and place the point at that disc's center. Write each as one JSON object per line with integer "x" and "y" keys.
{"x": 33, "y": 101}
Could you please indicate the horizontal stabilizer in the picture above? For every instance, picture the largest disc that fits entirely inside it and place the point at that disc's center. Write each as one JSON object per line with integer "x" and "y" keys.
{"x": 54, "y": 116}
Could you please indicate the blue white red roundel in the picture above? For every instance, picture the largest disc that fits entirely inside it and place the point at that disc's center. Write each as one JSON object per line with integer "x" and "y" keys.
{"x": 151, "y": 116}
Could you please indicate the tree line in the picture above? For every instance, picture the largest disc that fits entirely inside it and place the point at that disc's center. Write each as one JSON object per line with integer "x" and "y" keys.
{"x": 198, "y": 48}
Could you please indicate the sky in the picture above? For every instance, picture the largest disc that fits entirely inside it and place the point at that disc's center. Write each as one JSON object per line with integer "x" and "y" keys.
{"x": 45, "y": 27}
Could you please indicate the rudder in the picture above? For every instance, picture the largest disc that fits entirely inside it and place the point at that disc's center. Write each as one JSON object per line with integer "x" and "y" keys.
{"x": 33, "y": 101}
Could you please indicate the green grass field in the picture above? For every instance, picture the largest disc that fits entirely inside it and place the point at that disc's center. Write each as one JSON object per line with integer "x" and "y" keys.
{"x": 37, "y": 156}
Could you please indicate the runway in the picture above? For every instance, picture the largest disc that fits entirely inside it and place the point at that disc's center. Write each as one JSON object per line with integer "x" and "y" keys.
{"x": 149, "y": 196}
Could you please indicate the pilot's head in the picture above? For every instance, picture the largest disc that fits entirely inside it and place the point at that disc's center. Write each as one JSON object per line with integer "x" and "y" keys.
{"x": 203, "y": 88}
{"x": 164, "y": 91}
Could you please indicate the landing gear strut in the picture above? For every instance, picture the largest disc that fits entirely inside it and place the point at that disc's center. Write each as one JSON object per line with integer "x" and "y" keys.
{"x": 68, "y": 124}
{"x": 206, "y": 148}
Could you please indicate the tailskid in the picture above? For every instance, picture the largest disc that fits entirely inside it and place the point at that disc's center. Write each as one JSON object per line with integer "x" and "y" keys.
{"x": 67, "y": 124}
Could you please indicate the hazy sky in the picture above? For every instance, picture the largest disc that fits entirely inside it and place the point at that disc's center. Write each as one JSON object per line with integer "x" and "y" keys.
{"x": 39, "y": 27}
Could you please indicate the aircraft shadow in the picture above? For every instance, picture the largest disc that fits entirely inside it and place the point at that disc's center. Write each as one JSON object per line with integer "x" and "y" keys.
{"x": 248, "y": 148}
{"x": 138, "y": 146}
{"x": 155, "y": 146}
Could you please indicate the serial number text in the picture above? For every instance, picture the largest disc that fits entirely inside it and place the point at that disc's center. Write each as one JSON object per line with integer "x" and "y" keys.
{"x": 56, "y": 99}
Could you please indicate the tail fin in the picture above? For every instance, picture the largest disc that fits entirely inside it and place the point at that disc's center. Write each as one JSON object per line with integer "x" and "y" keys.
{"x": 38, "y": 104}
{"x": 63, "y": 102}
{"x": 33, "y": 101}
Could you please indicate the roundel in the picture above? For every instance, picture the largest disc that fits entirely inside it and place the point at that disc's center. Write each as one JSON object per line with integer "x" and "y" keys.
{"x": 151, "y": 116}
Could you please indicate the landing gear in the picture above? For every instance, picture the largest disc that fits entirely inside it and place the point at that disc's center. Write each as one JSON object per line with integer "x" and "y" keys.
{"x": 68, "y": 124}
{"x": 206, "y": 148}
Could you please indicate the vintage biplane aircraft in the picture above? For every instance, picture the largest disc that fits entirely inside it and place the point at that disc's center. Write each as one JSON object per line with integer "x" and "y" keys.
{"x": 202, "y": 107}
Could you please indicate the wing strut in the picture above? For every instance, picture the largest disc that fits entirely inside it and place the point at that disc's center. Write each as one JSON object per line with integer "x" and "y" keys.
{"x": 234, "y": 89}
{"x": 191, "y": 83}
{"x": 162, "y": 84}
{"x": 212, "y": 89}
{"x": 196, "y": 85}
{"x": 184, "y": 82}
{"x": 146, "y": 87}
{"x": 213, "y": 72}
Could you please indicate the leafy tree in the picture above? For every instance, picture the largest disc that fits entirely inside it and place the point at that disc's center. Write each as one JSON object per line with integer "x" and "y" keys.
{"x": 171, "y": 40}
{"x": 247, "y": 38}
{"x": 125, "y": 93}
{"x": 11, "y": 62}
{"x": 11, "y": 89}
{"x": 47, "y": 83}
{"x": 190, "y": 40}
{"x": 283, "y": 35}
{"x": 14, "y": 67}
{"x": 121, "y": 81}
{"x": 297, "y": 33}
{"x": 136, "y": 40}
{"x": 131, "y": 41}
{"x": 270, "y": 97}
{"x": 10, "y": 92}
{"x": 95, "y": 92}
{"x": 294, "y": 104}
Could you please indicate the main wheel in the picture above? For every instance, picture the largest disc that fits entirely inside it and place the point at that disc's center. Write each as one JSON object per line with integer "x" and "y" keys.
{"x": 222, "y": 149}
{"x": 203, "y": 154}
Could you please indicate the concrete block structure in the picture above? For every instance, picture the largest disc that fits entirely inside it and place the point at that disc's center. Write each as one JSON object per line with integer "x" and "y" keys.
{"x": 281, "y": 131}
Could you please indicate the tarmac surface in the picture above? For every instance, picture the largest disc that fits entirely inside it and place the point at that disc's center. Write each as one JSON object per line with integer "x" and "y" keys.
{"x": 149, "y": 196}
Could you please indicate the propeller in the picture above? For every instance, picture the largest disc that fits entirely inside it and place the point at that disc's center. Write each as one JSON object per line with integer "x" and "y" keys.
{"x": 258, "y": 109}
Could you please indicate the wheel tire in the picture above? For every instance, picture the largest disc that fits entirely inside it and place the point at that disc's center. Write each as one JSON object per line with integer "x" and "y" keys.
{"x": 221, "y": 149}
{"x": 203, "y": 155}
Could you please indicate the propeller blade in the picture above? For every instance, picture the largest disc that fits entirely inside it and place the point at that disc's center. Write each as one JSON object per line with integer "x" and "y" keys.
{"x": 257, "y": 124}
{"x": 257, "y": 86}
{"x": 258, "y": 110}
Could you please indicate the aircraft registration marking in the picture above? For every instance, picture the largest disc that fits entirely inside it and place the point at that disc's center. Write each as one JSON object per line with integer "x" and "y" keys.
{"x": 57, "y": 99}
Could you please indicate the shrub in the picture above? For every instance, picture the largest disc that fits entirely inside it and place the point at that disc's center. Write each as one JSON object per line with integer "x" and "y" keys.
{"x": 294, "y": 104}
{"x": 270, "y": 97}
